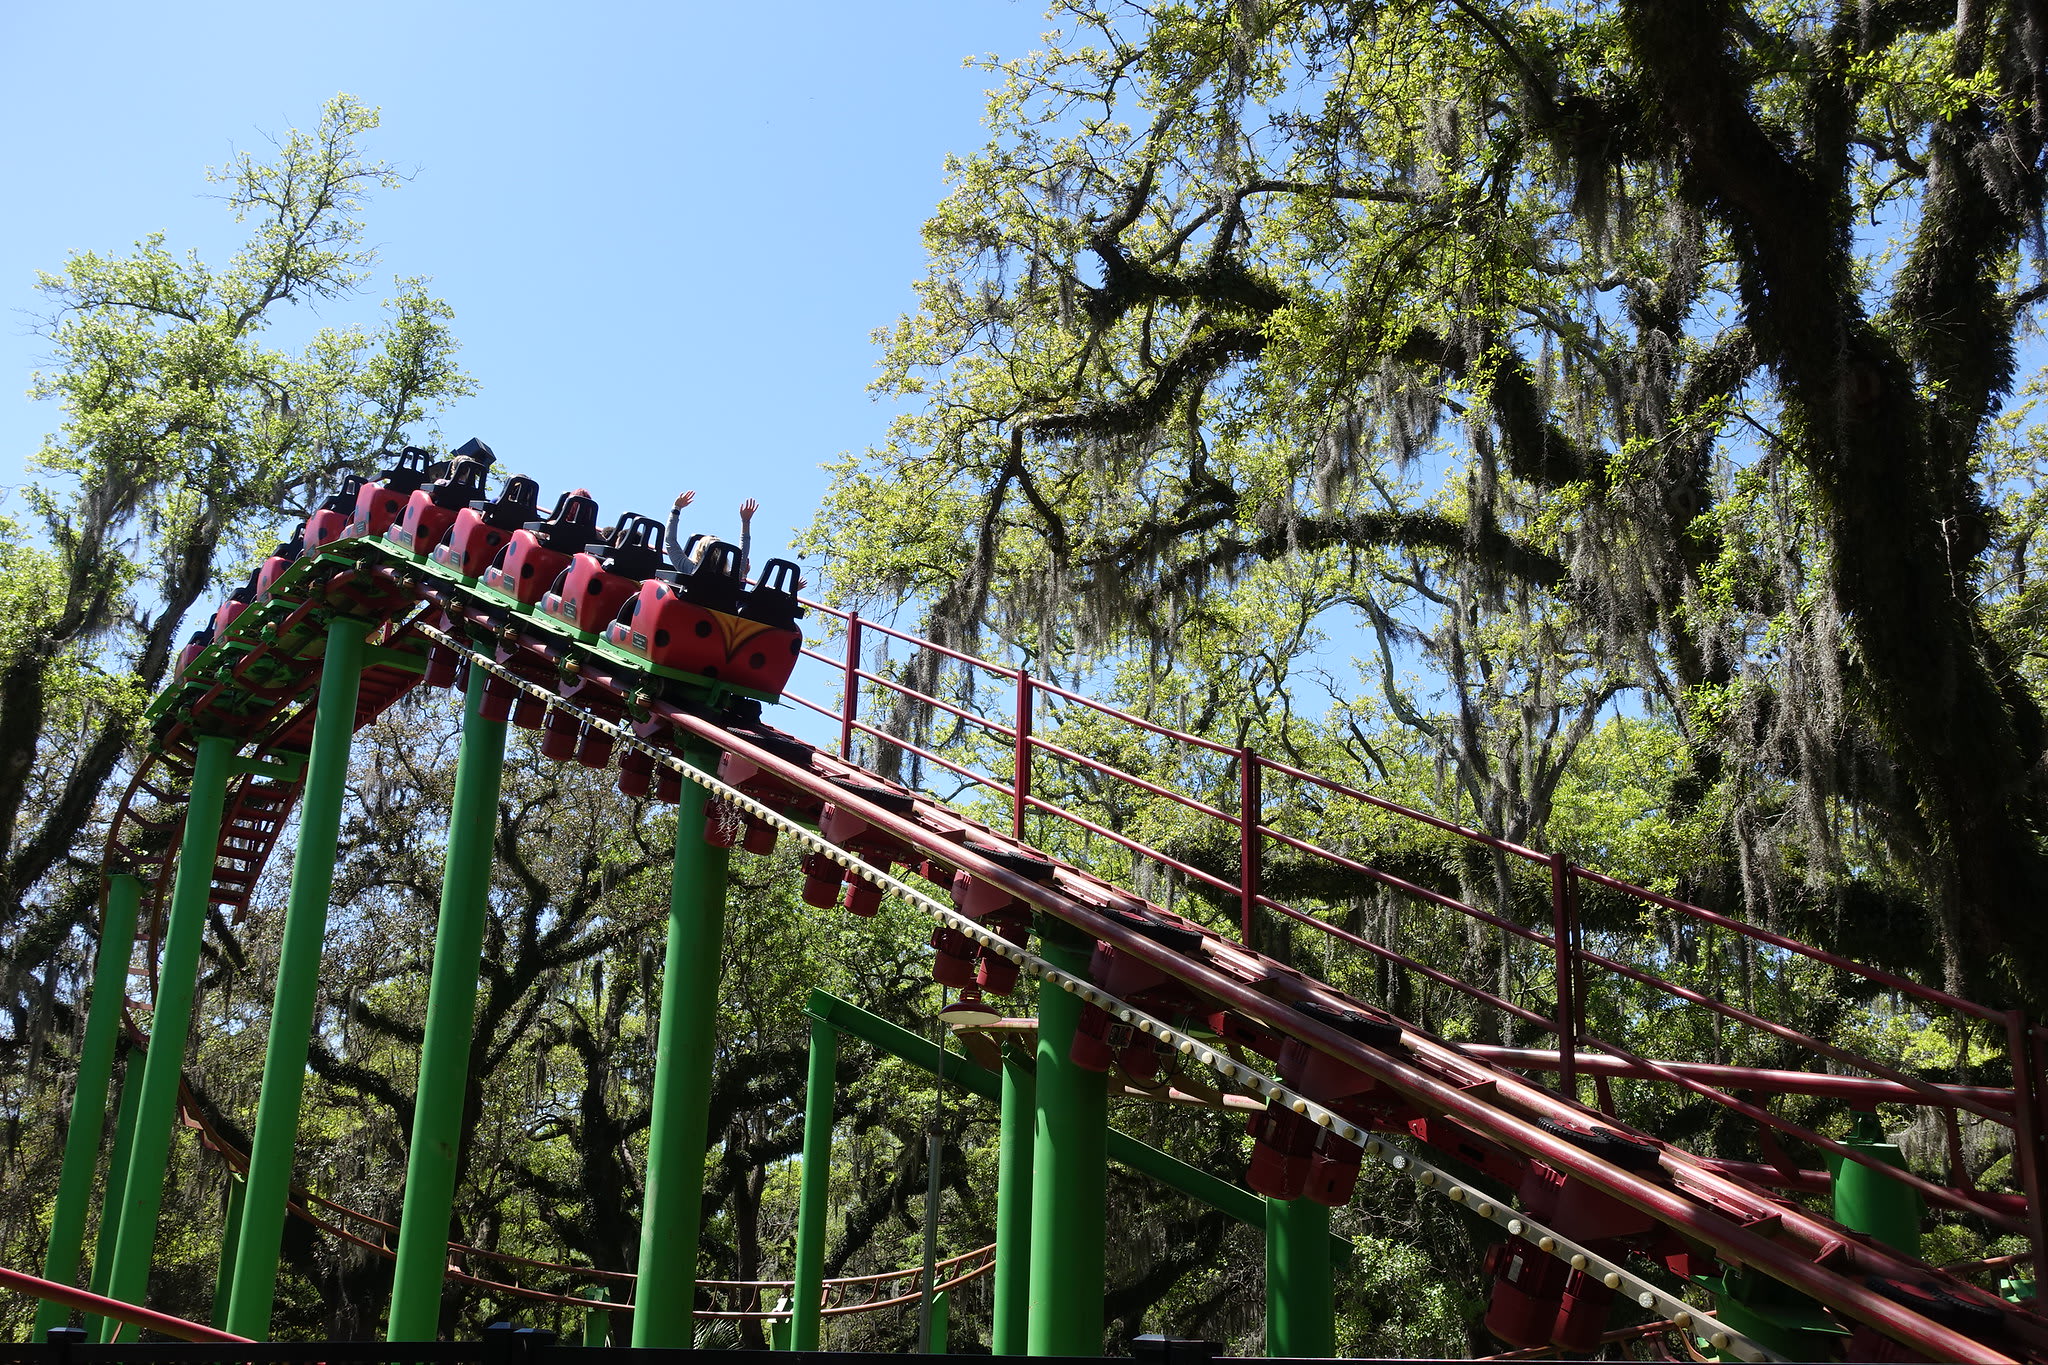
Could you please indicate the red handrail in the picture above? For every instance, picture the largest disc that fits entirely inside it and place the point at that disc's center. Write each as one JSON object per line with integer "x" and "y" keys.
{"x": 1878, "y": 975}
{"x": 1406, "y": 887}
{"x": 1060, "y": 751}
{"x": 1164, "y": 859}
{"x": 1570, "y": 960}
{"x": 925, "y": 754}
{"x": 1380, "y": 950}
{"x": 1165, "y": 731}
{"x": 35, "y": 1286}
{"x": 1407, "y": 812}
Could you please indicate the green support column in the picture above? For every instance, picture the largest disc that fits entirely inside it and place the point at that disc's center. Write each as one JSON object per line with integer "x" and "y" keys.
{"x": 177, "y": 978}
{"x": 89, "y": 1094}
{"x": 253, "y": 1287}
{"x": 1301, "y": 1299}
{"x": 117, "y": 1182}
{"x": 230, "y": 1249}
{"x": 807, "y": 1294}
{"x": 597, "y": 1323}
{"x": 1067, "y": 1177}
{"x": 685, "y": 1045}
{"x": 1868, "y": 1202}
{"x": 942, "y": 1322}
{"x": 451, "y": 1010}
{"x": 1013, "y": 1205}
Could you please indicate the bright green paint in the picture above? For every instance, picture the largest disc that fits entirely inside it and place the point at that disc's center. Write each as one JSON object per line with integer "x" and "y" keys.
{"x": 1013, "y": 1204}
{"x": 451, "y": 1007}
{"x": 177, "y": 976}
{"x": 253, "y": 1286}
{"x": 117, "y": 1182}
{"x": 89, "y": 1095}
{"x": 1122, "y": 1148}
{"x": 1869, "y": 1201}
{"x": 685, "y": 1046}
{"x": 1067, "y": 1176}
{"x": 230, "y": 1249}
{"x": 1300, "y": 1296}
{"x": 808, "y": 1291}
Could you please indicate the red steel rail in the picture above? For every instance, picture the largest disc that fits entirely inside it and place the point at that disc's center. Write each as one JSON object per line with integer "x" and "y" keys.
{"x": 1574, "y": 966}
{"x": 1709, "y": 1201}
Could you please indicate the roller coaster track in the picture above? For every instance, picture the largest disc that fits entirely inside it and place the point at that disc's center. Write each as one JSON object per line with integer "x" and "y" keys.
{"x": 1637, "y": 1214}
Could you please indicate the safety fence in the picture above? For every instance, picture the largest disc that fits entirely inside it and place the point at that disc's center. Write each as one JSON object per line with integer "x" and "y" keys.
{"x": 995, "y": 714}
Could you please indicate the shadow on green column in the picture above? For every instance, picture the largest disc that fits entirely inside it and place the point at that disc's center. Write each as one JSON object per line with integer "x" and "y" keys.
{"x": 1301, "y": 1296}
{"x": 101, "y": 1329}
{"x": 1013, "y": 1204}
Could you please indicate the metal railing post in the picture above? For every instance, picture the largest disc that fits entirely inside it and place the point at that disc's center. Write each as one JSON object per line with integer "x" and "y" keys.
{"x": 851, "y": 708}
{"x": 2026, "y": 1125}
{"x": 1563, "y": 929}
{"x": 1021, "y": 795}
{"x": 1251, "y": 813}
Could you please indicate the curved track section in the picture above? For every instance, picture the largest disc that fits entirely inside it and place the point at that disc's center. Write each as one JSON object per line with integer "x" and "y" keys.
{"x": 1619, "y": 1212}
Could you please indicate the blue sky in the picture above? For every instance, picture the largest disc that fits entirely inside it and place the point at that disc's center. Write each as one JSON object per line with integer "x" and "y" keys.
{"x": 667, "y": 230}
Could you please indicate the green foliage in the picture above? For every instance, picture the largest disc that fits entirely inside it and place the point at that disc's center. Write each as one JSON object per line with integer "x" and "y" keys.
{"x": 1273, "y": 324}
{"x": 190, "y": 435}
{"x": 1394, "y": 390}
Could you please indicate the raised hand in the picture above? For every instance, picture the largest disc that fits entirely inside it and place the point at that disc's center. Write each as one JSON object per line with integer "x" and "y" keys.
{"x": 748, "y": 508}
{"x": 685, "y": 499}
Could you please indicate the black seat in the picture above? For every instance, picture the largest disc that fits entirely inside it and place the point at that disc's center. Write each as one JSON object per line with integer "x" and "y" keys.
{"x": 773, "y": 599}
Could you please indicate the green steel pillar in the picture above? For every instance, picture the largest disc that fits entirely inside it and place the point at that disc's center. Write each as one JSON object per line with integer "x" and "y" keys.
{"x": 811, "y": 1211}
{"x": 1068, "y": 1165}
{"x": 254, "y": 1284}
{"x": 941, "y": 1322}
{"x": 89, "y": 1094}
{"x": 685, "y": 1045}
{"x": 1013, "y": 1205}
{"x": 1869, "y": 1202}
{"x": 177, "y": 978}
{"x": 117, "y": 1182}
{"x": 1301, "y": 1298}
{"x": 597, "y": 1322}
{"x": 451, "y": 1010}
{"x": 230, "y": 1248}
